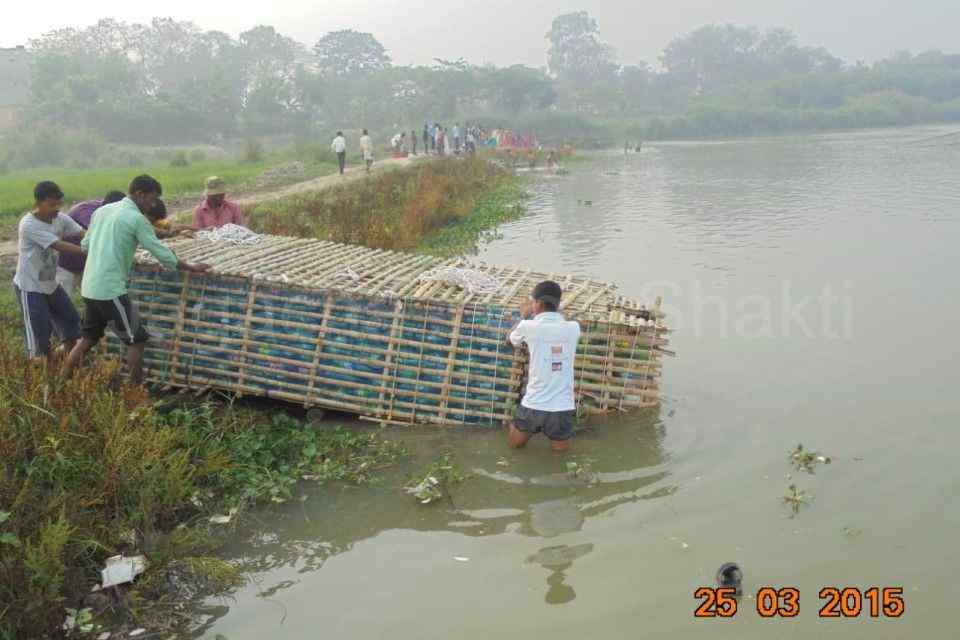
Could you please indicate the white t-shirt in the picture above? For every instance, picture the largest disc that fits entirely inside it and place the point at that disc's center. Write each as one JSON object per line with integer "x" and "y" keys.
{"x": 552, "y": 342}
{"x": 366, "y": 147}
{"x": 36, "y": 259}
{"x": 339, "y": 145}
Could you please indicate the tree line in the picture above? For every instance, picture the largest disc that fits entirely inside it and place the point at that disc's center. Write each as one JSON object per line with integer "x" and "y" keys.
{"x": 170, "y": 81}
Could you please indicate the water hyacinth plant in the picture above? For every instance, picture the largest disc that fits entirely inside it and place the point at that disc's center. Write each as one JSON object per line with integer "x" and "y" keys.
{"x": 807, "y": 460}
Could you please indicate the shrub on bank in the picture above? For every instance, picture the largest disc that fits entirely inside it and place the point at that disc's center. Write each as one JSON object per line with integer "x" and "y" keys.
{"x": 395, "y": 210}
{"x": 90, "y": 472}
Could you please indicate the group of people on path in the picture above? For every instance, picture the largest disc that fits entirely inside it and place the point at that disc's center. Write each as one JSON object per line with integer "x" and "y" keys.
{"x": 442, "y": 140}
{"x": 91, "y": 248}
{"x": 436, "y": 139}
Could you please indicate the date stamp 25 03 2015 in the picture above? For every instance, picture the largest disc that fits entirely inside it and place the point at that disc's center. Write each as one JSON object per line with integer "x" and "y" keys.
{"x": 784, "y": 602}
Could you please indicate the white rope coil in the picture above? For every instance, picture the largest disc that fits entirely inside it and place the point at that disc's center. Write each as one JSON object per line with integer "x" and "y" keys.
{"x": 232, "y": 234}
{"x": 472, "y": 280}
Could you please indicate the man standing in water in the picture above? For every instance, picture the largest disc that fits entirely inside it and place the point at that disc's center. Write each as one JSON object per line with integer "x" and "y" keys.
{"x": 339, "y": 147}
{"x": 548, "y": 402}
{"x": 114, "y": 235}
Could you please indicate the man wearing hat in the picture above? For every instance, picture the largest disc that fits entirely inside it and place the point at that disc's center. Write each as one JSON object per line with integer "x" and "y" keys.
{"x": 215, "y": 210}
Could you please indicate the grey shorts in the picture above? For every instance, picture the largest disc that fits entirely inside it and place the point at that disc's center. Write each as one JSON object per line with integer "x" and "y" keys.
{"x": 556, "y": 425}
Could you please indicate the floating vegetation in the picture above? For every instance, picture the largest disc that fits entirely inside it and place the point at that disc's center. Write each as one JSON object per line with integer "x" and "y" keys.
{"x": 796, "y": 498}
{"x": 426, "y": 491}
{"x": 582, "y": 471}
{"x": 849, "y": 532}
{"x": 807, "y": 460}
{"x": 435, "y": 482}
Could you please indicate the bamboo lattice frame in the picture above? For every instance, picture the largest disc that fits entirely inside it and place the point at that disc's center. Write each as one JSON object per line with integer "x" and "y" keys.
{"x": 285, "y": 319}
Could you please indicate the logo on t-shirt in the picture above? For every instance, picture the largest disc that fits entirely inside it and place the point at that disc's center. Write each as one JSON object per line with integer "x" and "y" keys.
{"x": 556, "y": 351}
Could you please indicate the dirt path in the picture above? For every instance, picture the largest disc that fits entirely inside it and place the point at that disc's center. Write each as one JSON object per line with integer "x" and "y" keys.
{"x": 352, "y": 174}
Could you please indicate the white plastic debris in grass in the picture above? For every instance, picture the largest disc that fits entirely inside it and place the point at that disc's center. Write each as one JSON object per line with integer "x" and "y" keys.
{"x": 224, "y": 519}
{"x": 121, "y": 570}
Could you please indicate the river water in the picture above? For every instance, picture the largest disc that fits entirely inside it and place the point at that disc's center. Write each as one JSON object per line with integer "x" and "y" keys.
{"x": 811, "y": 283}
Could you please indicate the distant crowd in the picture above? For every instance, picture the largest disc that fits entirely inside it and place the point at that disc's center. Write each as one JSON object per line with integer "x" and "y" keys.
{"x": 437, "y": 139}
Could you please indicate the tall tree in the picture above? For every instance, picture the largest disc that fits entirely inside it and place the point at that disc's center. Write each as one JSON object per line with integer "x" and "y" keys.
{"x": 348, "y": 51}
{"x": 717, "y": 58}
{"x": 576, "y": 51}
{"x": 519, "y": 88}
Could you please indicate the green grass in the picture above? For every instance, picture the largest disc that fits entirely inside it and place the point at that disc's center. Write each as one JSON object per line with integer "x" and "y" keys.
{"x": 179, "y": 183}
{"x": 393, "y": 210}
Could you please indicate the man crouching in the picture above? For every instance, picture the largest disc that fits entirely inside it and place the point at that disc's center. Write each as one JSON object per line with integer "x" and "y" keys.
{"x": 548, "y": 403}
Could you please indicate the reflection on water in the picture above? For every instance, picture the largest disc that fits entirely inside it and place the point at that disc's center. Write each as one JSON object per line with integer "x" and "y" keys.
{"x": 533, "y": 496}
{"x": 678, "y": 492}
{"x": 558, "y": 560}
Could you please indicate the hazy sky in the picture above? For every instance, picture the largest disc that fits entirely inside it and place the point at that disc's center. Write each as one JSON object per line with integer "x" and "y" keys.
{"x": 511, "y": 31}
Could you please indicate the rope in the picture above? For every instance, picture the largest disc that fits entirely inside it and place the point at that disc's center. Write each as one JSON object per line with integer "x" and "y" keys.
{"x": 627, "y": 374}
{"x": 470, "y": 357}
{"x": 473, "y": 280}
{"x": 347, "y": 273}
{"x": 423, "y": 342}
{"x": 496, "y": 365}
{"x": 196, "y": 310}
{"x": 578, "y": 388}
{"x": 231, "y": 234}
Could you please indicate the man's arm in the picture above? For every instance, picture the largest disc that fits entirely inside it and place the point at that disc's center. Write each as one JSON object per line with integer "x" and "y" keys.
{"x": 68, "y": 247}
{"x": 71, "y": 228}
{"x": 147, "y": 238}
{"x": 516, "y": 335}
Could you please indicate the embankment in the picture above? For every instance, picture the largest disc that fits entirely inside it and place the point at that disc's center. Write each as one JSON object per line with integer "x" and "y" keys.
{"x": 438, "y": 205}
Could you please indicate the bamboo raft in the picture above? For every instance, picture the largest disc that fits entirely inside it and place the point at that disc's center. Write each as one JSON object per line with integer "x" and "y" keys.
{"x": 354, "y": 329}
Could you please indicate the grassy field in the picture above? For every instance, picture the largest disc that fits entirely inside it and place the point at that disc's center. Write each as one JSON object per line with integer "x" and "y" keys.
{"x": 180, "y": 184}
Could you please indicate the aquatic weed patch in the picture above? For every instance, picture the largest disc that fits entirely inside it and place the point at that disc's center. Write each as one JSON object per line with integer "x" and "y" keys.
{"x": 504, "y": 204}
{"x": 266, "y": 458}
{"x": 435, "y": 481}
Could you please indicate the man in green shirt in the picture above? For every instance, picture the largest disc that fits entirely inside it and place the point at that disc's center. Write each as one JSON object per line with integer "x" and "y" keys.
{"x": 111, "y": 241}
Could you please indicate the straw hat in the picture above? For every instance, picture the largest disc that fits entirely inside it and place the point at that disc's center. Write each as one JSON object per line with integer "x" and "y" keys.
{"x": 215, "y": 186}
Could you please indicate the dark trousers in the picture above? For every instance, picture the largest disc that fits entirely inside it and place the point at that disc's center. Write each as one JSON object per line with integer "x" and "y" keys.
{"x": 45, "y": 313}
{"x": 342, "y": 160}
